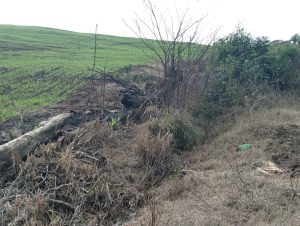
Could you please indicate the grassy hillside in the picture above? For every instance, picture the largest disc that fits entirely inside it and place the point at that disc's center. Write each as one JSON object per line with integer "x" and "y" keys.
{"x": 39, "y": 66}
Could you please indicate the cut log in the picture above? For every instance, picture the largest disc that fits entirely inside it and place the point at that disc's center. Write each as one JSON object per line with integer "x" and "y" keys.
{"x": 22, "y": 146}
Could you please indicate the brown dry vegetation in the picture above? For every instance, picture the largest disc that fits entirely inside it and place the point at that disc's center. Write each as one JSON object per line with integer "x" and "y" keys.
{"x": 156, "y": 170}
{"x": 179, "y": 161}
{"x": 219, "y": 185}
{"x": 87, "y": 177}
{"x": 98, "y": 174}
{"x": 101, "y": 174}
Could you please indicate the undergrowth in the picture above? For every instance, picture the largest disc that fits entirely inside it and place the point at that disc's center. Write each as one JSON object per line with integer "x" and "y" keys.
{"x": 184, "y": 131}
{"x": 85, "y": 178}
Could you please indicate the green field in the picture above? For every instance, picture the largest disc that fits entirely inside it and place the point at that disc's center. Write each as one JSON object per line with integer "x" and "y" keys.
{"x": 40, "y": 66}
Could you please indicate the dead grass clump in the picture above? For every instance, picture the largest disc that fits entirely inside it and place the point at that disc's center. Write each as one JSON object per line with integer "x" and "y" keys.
{"x": 151, "y": 112}
{"x": 155, "y": 155}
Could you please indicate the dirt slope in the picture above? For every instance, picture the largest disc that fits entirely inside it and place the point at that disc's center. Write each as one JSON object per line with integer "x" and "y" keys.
{"x": 223, "y": 186}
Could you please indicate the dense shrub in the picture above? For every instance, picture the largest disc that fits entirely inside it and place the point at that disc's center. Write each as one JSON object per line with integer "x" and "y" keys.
{"x": 245, "y": 64}
{"x": 238, "y": 65}
{"x": 283, "y": 66}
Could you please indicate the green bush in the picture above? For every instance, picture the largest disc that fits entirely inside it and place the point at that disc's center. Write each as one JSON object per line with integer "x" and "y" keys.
{"x": 238, "y": 66}
{"x": 185, "y": 133}
{"x": 295, "y": 39}
{"x": 245, "y": 64}
{"x": 283, "y": 65}
{"x": 185, "y": 136}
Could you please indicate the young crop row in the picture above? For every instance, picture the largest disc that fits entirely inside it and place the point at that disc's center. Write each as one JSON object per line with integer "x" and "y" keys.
{"x": 40, "y": 66}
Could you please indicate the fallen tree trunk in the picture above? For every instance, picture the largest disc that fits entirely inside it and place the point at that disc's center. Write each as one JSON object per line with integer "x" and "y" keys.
{"x": 19, "y": 148}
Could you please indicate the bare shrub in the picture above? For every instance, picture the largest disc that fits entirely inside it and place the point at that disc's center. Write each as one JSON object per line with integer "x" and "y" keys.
{"x": 177, "y": 48}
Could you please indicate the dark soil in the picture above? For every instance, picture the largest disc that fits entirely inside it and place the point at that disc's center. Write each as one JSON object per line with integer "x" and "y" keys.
{"x": 87, "y": 102}
{"x": 284, "y": 148}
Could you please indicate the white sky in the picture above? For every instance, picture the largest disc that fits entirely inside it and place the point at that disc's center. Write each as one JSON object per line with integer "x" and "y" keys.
{"x": 276, "y": 19}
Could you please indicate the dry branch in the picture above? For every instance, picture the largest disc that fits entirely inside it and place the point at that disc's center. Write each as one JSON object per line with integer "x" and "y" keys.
{"x": 121, "y": 82}
{"x": 19, "y": 148}
{"x": 62, "y": 204}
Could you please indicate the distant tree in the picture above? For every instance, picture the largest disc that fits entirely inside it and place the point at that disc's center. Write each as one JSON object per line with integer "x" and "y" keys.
{"x": 244, "y": 63}
{"x": 295, "y": 39}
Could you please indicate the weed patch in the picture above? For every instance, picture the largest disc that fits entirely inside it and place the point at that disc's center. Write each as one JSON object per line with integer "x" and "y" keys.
{"x": 185, "y": 134}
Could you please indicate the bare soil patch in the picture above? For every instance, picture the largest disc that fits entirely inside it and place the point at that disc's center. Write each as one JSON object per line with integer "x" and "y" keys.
{"x": 284, "y": 147}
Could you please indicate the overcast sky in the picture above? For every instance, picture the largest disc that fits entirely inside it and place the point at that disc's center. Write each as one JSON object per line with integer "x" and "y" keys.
{"x": 276, "y": 19}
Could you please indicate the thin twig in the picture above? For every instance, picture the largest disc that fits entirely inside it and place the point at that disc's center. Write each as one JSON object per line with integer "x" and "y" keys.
{"x": 61, "y": 203}
{"x": 57, "y": 188}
